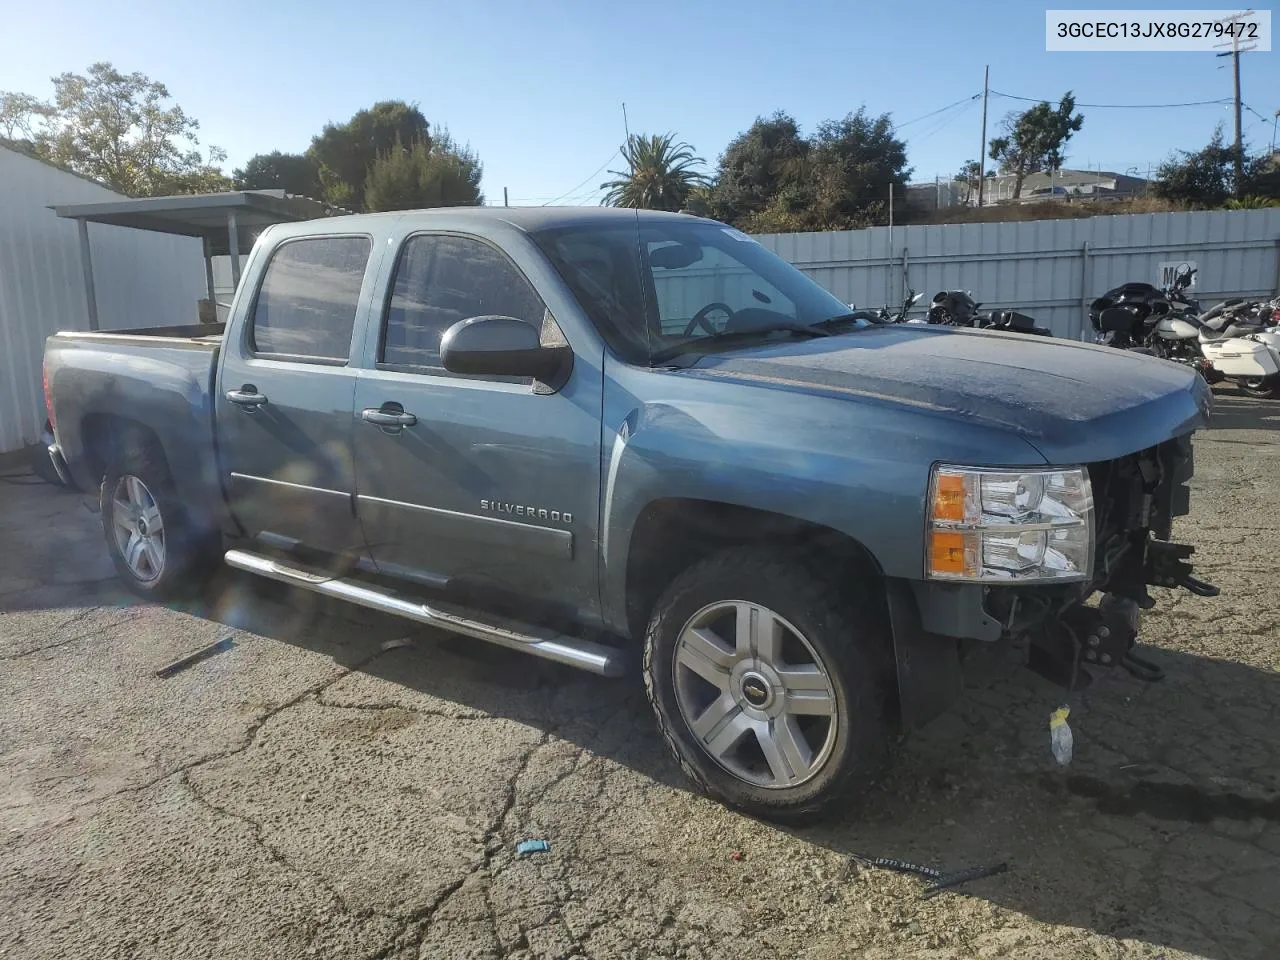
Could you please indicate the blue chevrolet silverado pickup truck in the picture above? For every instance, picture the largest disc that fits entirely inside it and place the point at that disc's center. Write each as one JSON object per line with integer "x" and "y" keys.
{"x": 599, "y": 435}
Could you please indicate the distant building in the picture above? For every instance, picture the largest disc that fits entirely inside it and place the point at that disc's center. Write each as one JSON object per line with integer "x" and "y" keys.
{"x": 1064, "y": 184}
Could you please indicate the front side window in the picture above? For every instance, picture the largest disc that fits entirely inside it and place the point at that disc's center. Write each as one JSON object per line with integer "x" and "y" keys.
{"x": 441, "y": 280}
{"x": 306, "y": 306}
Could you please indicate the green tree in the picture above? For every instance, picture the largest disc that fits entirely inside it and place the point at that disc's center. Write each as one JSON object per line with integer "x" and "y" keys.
{"x": 1034, "y": 139}
{"x": 754, "y": 167}
{"x": 119, "y": 129}
{"x": 1207, "y": 177}
{"x": 20, "y": 114}
{"x": 773, "y": 179}
{"x": 968, "y": 175}
{"x": 294, "y": 173}
{"x": 660, "y": 174}
{"x": 439, "y": 174}
{"x": 839, "y": 180}
{"x": 344, "y": 153}
{"x": 856, "y": 161}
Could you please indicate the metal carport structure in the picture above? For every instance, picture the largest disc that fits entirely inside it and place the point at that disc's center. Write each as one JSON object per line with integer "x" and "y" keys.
{"x": 227, "y": 223}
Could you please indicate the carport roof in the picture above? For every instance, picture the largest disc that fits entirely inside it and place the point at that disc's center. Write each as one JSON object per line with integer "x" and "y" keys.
{"x": 204, "y": 215}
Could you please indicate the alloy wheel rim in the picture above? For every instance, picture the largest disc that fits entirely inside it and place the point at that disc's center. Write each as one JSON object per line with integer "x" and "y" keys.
{"x": 138, "y": 528}
{"x": 755, "y": 694}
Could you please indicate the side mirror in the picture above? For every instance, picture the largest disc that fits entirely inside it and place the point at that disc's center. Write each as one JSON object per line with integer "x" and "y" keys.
{"x": 504, "y": 347}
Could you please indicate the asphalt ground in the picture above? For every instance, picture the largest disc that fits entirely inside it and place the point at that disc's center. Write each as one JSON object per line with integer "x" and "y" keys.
{"x": 307, "y": 793}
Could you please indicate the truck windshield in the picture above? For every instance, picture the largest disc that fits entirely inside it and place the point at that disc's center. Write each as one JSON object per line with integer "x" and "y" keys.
{"x": 663, "y": 287}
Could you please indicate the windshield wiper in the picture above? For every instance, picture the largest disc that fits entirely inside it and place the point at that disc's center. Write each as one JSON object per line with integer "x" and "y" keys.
{"x": 851, "y": 318}
{"x": 733, "y": 338}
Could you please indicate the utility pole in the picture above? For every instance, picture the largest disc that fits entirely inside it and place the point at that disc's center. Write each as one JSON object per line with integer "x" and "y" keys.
{"x": 982, "y": 154}
{"x": 504, "y": 196}
{"x": 1234, "y": 54}
{"x": 1235, "y": 70}
{"x": 625, "y": 125}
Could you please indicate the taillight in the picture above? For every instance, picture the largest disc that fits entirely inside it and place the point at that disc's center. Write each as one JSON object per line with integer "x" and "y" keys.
{"x": 48, "y": 395}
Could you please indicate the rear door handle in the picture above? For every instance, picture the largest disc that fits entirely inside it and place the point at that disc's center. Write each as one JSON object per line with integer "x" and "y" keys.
{"x": 247, "y": 396}
{"x": 387, "y": 418}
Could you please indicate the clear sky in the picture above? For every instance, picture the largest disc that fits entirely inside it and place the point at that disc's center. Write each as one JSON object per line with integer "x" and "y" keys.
{"x": 537, "y": 88}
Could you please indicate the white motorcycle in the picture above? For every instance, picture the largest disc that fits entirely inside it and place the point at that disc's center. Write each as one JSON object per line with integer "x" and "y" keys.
{"x": 1242, "y": 343}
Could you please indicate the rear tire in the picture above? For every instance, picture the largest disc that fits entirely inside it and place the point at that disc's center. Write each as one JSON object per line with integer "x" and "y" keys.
{"x": 156, "y": 549}
{"x": 1264, "y": 388}
{"x": 767, "y": 680}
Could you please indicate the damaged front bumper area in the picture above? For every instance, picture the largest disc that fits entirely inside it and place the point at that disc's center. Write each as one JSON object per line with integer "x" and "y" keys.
{"x": 1136, "y": 499}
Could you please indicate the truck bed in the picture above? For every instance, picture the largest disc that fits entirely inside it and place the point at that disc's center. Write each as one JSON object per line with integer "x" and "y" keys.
{"x": 158, "y": 380}
{"x": 201, "y": 333}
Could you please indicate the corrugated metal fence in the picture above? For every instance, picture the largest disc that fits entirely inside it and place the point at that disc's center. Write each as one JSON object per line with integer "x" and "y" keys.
{"x": 1050, "y": 269}
{"x": 143, "y": 279}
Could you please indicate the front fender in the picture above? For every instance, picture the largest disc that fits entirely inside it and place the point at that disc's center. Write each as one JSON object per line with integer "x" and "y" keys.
{"x": 856, "y": 466}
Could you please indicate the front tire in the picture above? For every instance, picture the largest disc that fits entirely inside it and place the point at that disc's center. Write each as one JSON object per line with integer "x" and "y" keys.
{"x": 767, "y": 683}
{"x": 155, "y": 548}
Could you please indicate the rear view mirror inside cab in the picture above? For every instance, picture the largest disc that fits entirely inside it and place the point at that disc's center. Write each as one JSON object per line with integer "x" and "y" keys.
{"x": 675, "y": 256}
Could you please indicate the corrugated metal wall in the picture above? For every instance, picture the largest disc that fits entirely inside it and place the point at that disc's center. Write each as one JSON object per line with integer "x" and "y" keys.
{"x": 1049, "y": 269}
{"x": 143, "y": 279}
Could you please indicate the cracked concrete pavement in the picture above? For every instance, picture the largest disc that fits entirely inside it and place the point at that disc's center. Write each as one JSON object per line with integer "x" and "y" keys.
{"x": 306, "y": 793}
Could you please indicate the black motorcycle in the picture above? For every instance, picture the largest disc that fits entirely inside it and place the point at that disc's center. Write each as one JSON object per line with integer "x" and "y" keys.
{"x": 957, "y": 308}
{"x": 1146, "y": 319}
{"x": 883, "y": 315}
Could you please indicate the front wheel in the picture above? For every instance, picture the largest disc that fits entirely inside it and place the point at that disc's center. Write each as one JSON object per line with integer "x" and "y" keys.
{"x": 766, "y": 680}
{"x": 1265, "y": 388}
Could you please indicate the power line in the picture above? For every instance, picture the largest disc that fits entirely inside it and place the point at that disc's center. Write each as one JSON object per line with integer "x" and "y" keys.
{"x": 1120, "y": 106}
{"x": 940, "y": 125}
{"x": 934, "y": 113}
{"x": 585, "y": 180}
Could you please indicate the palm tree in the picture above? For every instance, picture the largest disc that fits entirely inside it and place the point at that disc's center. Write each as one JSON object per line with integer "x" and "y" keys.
{"x": 660, "y": 174}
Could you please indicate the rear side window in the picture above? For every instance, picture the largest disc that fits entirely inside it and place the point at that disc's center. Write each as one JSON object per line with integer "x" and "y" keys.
{"x": 306, "y": 306}
{"x": 440, "y": 280}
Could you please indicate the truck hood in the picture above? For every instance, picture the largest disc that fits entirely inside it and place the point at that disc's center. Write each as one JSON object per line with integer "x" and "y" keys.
{"x": 1073, "y": 402}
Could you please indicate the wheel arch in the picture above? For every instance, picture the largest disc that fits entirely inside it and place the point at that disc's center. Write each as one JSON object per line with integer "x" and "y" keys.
{"x": 672, "y": 534}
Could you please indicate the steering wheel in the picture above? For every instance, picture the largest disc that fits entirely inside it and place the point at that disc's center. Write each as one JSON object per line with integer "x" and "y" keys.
{"x": 700, "y": 318}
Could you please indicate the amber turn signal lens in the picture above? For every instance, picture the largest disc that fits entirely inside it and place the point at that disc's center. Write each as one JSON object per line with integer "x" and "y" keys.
{"x": 948, "y": 497}
{"x": 946, "y": 553}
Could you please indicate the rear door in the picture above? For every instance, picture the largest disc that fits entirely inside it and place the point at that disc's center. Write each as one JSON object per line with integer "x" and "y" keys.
{"x": 489, "y": 483}
{"x": 283, "y": 402}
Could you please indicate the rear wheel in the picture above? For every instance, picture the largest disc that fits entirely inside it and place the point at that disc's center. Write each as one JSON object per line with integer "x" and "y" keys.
{"x": 155, "y": 548}
{"x": 766, "y": 682}
{"x": 1265, "y": 388}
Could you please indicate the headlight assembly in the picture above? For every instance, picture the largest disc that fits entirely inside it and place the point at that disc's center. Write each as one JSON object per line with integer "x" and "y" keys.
{"x": 1000, "y": 526}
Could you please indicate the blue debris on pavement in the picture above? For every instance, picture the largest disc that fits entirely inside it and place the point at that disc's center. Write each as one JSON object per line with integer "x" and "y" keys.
{"x": 526, "y": 847}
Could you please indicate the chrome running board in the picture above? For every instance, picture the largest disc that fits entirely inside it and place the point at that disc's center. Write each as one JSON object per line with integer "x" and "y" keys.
{"x": 583, "y": 654}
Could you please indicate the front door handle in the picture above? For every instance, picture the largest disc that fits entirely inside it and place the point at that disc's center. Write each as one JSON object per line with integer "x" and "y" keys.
{"x": 387, "y": 418}
{"x": 247, "y": 397}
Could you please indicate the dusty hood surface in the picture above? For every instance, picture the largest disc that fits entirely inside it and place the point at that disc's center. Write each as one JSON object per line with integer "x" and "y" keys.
{"x": 1075, "y": 403}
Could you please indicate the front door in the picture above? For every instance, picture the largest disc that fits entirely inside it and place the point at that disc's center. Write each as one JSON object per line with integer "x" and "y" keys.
{"x": 480, "y": 481}
{"x": 284, "y": 398}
